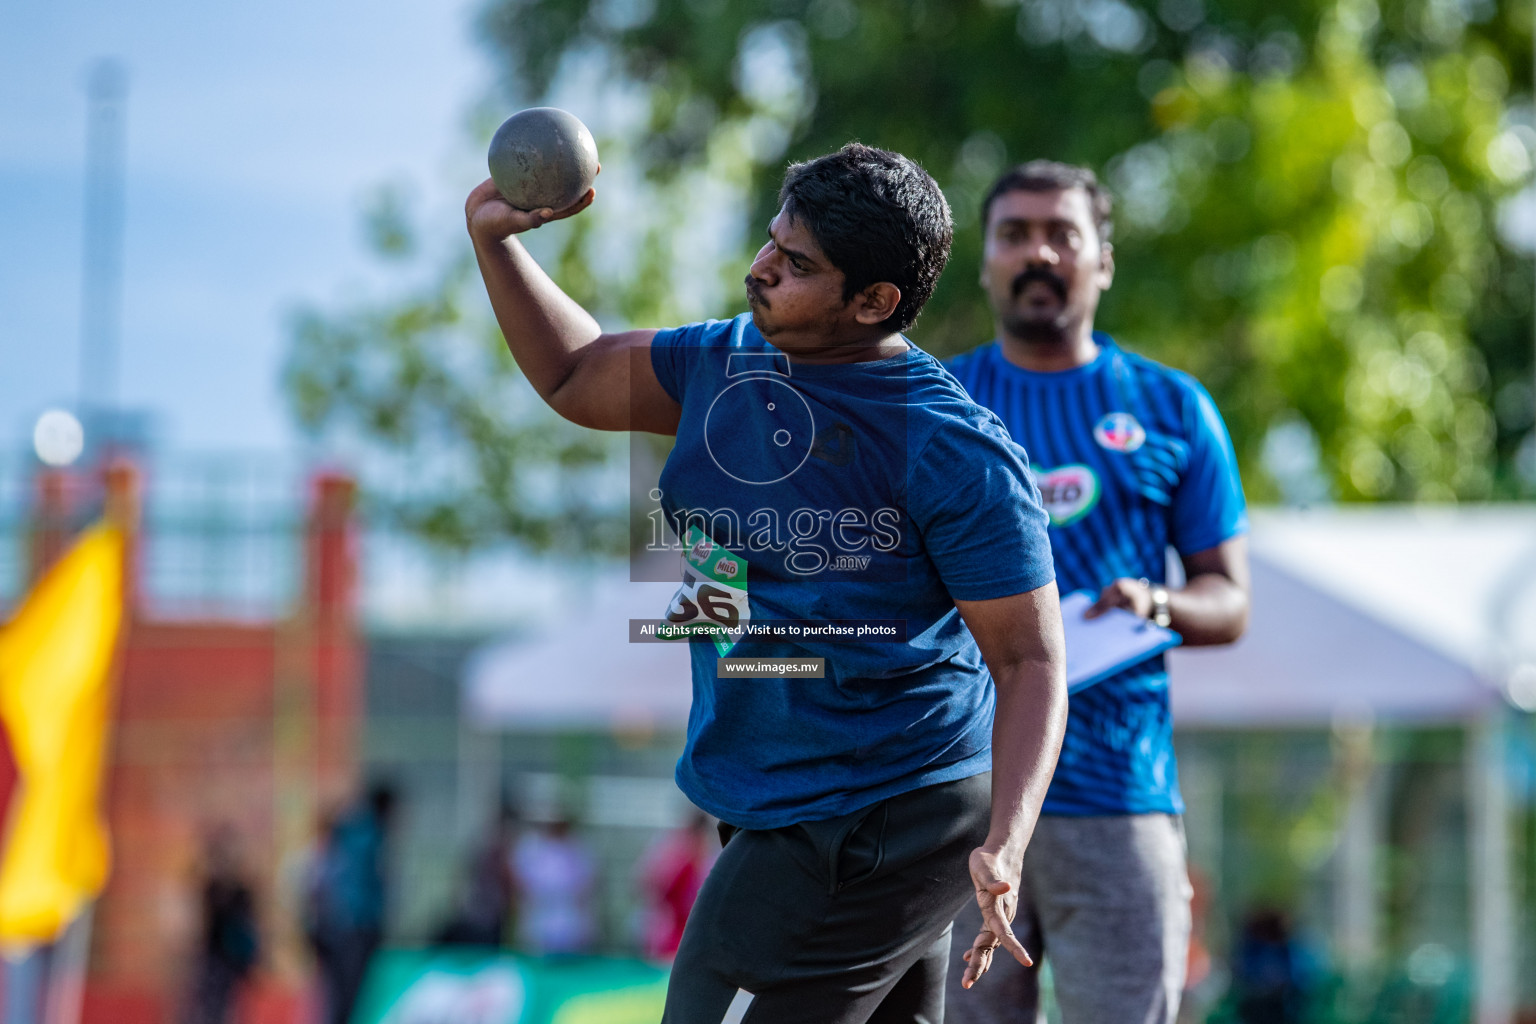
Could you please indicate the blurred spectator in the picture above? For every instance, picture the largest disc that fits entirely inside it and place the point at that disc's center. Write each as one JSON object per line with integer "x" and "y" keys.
{"x": 1267, "y": 970}
{"x": 346, "y": 902}
{"x": 670, "y": 878}
{"x": 485, "y": 901}
{"x": 313, "y": 879}
{"x": 555, "y": 876}
{"x": 1204, "y": 982}
{"x": 228, "y": 942}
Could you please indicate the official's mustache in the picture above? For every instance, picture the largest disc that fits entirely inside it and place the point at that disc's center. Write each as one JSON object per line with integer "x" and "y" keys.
{"x": 756, "y": 295}
{"x": 1042, "y": 275}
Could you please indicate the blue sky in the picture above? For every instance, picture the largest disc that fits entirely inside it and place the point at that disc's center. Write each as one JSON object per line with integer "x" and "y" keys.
{"x": 254, "y": 133}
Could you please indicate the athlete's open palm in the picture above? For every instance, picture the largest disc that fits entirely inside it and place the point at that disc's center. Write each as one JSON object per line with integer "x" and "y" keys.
{"x": 997, "y": 896}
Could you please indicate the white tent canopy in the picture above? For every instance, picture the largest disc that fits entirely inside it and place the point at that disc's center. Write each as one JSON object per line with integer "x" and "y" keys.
{"x": 1312, "y": 659}
{"x": 1460, "y": 578}
{"x": 1398, "y": 614}
{"x": 584, "y": 673}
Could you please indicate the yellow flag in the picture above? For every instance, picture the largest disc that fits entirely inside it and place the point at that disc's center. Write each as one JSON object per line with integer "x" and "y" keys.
{"x": 56, "y": 667}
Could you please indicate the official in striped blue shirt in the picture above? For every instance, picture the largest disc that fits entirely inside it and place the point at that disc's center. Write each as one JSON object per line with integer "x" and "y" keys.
{"x": 1131, "y": 458}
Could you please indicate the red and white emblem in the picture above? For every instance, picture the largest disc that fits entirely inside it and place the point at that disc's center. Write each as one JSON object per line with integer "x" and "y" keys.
{"x": 1119, "y": 432}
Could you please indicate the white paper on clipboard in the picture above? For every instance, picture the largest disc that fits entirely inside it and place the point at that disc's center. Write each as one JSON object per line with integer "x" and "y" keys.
{"x": 1097, "y": 648}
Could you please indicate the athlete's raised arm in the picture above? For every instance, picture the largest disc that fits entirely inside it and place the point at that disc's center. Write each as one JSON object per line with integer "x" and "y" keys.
{"x": 598, "y": 380}
{"x": 1020, "y": 638}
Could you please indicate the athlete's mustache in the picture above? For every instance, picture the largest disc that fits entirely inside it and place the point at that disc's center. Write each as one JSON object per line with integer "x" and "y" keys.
{"x": 755, "y": 295}
{"x": 1055, "y": 283}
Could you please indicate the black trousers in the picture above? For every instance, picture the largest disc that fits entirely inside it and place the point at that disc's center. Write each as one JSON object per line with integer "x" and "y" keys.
{"x": 843, "y": 921}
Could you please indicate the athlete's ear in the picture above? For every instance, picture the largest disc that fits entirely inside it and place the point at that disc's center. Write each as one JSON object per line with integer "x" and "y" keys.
{"x": 876, "y": 303}
{"x": 1106, "y": 266}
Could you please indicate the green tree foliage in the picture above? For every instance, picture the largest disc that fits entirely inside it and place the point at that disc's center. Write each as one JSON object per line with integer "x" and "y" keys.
{"x": 451, "y": 442}
{"x": 1308, "y": 191}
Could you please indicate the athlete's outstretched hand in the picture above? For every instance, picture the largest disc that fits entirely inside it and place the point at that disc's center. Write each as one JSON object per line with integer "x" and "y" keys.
{"x": 488, "y": 215}
{"x": 997, "y": 895}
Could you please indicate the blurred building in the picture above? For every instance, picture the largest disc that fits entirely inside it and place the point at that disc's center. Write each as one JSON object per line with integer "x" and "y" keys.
{"x": 282, "y": 649}
{"x": 458, "y": 767}
{"x": 236, "y": 709}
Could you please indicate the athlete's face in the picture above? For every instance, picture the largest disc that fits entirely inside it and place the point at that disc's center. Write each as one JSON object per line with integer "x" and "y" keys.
{"x": 1043, "y": 263}
{"x": 795, "y": 292}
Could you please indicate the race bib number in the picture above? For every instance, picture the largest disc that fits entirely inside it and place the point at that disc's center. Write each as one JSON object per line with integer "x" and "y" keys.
{"x": 713, "y": 597}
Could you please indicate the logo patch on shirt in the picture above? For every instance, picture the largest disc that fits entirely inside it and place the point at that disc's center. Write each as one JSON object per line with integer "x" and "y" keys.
{"x": 836, "y": 445}
{"x": 1067, "y": 492}
{"x": 1119, "y": 432}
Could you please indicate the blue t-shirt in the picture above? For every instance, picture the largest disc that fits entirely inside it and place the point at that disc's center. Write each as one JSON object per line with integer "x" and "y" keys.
{"x": 858, "y": 491}
{"x": 1131, "y": 457}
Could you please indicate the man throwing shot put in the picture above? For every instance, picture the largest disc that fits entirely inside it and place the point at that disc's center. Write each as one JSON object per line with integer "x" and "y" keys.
{"x": 1131, "y": 458}
{"x": 826, "y": 470}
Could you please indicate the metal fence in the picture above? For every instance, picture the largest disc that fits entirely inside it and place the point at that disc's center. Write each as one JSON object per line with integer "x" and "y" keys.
{"x": 221, "y": 535}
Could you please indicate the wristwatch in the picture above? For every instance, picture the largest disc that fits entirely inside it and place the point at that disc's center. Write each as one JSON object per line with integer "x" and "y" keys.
{"x": 1161, "y": 614}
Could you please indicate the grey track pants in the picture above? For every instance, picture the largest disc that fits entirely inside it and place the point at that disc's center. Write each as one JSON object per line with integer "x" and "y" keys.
{"x": 1107, "y": 901}
{"x": 844, "y": 921}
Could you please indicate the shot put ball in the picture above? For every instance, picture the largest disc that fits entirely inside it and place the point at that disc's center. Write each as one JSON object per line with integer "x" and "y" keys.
{"x": 542, "y": 157}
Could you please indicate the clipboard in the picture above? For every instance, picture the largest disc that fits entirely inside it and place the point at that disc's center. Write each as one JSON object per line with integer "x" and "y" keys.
{"x": 1098, "y": 648}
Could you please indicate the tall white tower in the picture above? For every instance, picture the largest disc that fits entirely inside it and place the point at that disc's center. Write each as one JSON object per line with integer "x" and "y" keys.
{"x": 101, "y": 292}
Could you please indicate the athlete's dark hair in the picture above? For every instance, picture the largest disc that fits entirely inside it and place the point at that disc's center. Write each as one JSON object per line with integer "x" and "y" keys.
{"x": 1050, "y": 176}
{"x": 879, "y": 217}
